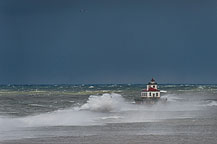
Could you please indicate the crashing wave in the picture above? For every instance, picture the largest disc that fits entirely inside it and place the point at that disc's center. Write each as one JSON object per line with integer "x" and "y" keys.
{"x": 105, "y": 103}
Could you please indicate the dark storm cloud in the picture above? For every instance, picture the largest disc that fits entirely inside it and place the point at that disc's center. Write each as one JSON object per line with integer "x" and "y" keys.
{"x": 50, "y": 41}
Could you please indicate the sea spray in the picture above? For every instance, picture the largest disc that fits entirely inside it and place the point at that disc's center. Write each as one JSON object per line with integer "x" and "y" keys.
{"x": 35, "y": 111}
{"x": 100, "y": 110}
{"x": 101, "y": 106}
{"x": 87, "y": 114}
{"x": 212, "y": 103}
{"x": 171, "y": 97}
{"x": 105, "y": 103}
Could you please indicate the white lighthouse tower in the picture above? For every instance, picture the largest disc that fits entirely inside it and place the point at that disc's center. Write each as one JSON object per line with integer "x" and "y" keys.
{"x": 151, "y": 91}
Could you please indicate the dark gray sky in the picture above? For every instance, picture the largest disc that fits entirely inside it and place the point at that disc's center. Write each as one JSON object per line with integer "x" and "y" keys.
{"x": 108, "y": 41}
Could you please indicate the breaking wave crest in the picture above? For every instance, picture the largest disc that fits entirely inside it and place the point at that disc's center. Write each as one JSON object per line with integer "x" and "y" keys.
{"x": 105, "y": 103}
{"x": 212, "y": 103}
{"x": 88, "y": 114}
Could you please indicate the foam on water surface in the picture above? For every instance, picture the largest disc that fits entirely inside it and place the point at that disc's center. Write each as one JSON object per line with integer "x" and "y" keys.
{"x": 96, "y": 109}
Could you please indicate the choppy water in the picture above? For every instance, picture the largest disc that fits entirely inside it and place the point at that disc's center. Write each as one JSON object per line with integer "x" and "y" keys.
{"x": 23, "y": 109}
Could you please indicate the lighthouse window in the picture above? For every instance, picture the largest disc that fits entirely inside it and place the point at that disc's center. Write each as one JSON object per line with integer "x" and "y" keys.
{"x": 153, "y": 94}
{"x": 149, "y": 94}
{"x": 153, "y": 86}
{"x": 156, "y": 94}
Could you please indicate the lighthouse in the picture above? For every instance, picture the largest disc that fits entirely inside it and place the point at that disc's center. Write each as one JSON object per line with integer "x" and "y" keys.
{"x": 151, "y": 91}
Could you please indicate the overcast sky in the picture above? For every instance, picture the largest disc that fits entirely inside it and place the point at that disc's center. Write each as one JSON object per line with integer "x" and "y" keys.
{"x": 108, "y": 41}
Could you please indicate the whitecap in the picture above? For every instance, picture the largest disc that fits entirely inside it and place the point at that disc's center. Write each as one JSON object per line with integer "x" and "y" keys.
{"x": 212, "y": 103}
{"x": 111, "y": 117}
{"x": 37, "y": 105}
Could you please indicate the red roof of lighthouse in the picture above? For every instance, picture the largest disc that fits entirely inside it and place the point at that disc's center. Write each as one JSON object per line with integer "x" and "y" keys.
{"x": 150, "y": 89}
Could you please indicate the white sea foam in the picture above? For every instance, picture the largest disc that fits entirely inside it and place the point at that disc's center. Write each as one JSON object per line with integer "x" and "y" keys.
{"x": 105, "y": 103}
{"x": 212, "y": 103}
{"x": 38, "y": 105}
{"x": 171, "y": 97}
{"x": 163, "y": 91}
{"x": 98, "y": 106}
{"x": 201, "y": 87}
{"x": 84, "y": 115}
{"x": 102, "y": 109}
{"x": 111, "y": 117}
